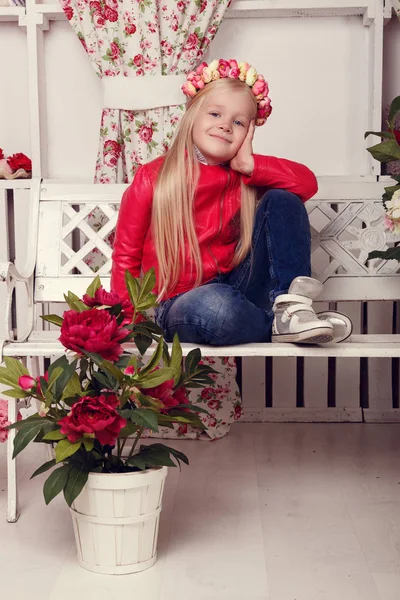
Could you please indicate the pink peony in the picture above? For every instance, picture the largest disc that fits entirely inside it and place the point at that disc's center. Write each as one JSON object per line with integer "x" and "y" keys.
{"x": 103, "y": 298}
{"x": 4, "y": 422}
{"x": 26, "y": 382}
{"x": 145, "y": 133}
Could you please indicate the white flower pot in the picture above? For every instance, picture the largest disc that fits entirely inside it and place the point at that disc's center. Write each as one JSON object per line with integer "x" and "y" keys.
{"x": 115, "y": 520}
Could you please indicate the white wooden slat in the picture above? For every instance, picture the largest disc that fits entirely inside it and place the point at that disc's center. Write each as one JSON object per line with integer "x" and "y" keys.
{"x": 48, "y": 256}
{"x": 316, "y": 375}
{"x": 380, "y": 369}
{"x": 347, "y": 382}
{"x": 283, "y": 385}
{"x": 41, "y": 343}
{"x": 75, "y": 217}
{"x": 74, "y": 261}
{"x": 253, "y": 387}
{"x": 52, "y": 289}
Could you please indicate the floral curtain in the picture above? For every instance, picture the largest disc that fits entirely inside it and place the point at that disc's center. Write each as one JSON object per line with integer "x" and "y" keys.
{"x": 143, "y": 38}
{"x": 139, "y": 38}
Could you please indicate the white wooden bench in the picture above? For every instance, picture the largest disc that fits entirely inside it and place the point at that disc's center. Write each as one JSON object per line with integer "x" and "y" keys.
{"x": 346, "y": 219}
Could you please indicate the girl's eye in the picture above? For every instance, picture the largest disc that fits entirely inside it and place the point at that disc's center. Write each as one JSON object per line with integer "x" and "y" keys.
{"x": 237, "y": 122}
{"x": 214, "y": 114}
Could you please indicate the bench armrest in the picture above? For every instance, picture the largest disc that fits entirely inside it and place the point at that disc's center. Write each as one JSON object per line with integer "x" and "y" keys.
{"x": 10, "y": 275}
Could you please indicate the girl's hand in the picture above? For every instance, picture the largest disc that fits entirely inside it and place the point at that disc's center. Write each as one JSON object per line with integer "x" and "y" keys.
{"x": 243, "y": 162}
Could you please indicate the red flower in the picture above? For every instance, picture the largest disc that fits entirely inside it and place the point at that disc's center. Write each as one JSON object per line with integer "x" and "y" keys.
{"x": 112, "y": 152}
{"x": 110, "y": 14}
{"x": 94, "y": 416}
{"x": 130, "y": 29}
{"x": 26, "y": 382}
{"x": 103, "y": 298}
{"x": 69, "y": 12}
{"x": 396, "y": 133}
{"x": 1, "y": 153}
{"x": 115, "y": 51}
{"x": 94, "y": 331}
{"x": 145, "y": 134}
{"x": 138, "y": 60}
{"x": 165, "y": 393}
{"x": 192, "y": 42}
{"x": 237, "y": 412}
{"x": 98, "y": 19}
{"x": 95, "y": 6}
{"x": 203, "y": 6}
{"x": 19, "y": 161}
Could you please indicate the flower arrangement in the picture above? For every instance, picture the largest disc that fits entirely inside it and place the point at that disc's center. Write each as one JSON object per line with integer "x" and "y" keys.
{"x": 386, "y": 151}
{"x": 16, "y": 166}
{"x": 98, "y": 397}
{"x": 207, "y": 73}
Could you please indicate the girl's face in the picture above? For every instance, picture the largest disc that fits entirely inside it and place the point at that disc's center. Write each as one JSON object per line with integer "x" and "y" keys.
{"x": 222, "y": 124}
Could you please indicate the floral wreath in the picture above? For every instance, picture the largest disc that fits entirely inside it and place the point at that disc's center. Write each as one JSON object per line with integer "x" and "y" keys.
{"x": 220, "y": 69}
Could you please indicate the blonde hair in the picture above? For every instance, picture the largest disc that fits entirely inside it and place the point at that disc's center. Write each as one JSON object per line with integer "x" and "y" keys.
{"x": 174, "y": 194}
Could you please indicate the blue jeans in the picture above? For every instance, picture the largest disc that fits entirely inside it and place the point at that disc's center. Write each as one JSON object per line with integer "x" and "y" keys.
{"x": 236, "y": 308}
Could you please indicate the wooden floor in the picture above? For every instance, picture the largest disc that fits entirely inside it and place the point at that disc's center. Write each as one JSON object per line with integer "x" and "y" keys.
{"x": 271, "y": 512}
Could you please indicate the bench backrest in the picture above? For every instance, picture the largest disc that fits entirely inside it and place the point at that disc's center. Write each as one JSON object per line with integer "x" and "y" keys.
{"x": 76, "y": 225}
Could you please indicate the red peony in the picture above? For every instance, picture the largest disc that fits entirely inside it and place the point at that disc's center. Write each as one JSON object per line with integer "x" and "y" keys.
{"x": 130, "y": 29}
{"x": 1, "y": 153}
{"x": 112, "y": 152}
{"x": 94, "y": 331}
{"x": 114, "y": 51}
{"x": 103, "y": 298}
{"x": 138, "y": 60}
{"x": 164, "y": 392}
{"x": 110, "y": 14}
{"x": 19, "y": 161}
{"x": 69, "y": 12}
{"x": 396, "y": 133}
{"x": 145, "y": 134}
{"x": 93, "y": 416}
{"x": 192, "y": 42}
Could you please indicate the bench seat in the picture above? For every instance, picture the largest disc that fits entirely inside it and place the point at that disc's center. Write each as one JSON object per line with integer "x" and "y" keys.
{"x": 45, "y": 343}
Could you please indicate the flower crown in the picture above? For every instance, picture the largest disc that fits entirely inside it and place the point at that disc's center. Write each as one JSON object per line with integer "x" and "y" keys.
{"x": 220, "y": 69}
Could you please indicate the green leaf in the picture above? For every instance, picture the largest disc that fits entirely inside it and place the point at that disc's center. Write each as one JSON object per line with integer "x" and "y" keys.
{"x": 382, "y": 134}
{"x": 56, "y": 482}
{"x": 129, "y": 429}
{"x": 93, "y": 287}
{"x": 54, "y": 436}
{"x": 44, "y": 468}
{"x": 389, "y": 254}
{"x": 394, "y": 109}
{"x": 137, "y": 461}
{"x": 176, "y": 453}
{"x": 76, "y": 481}
{"x": 64, "y": 449}
{"x": 25, "y": 435}
{"x": 15, "y": 369}
{"x": 115, "y": 372}
{"x": 155, "y": 378}
{"x": 385, "y": 151}
{"x": 15, "y": 393}
{"x": 154, "y": 360}
{"x": 7, "y": 378}
{"x": 145, "y": 417}
{"x": 88, "y": 443}
{"x": 142, "y": 342}
{"x": 133, "y": 287}
{"x": 147, "y": 284}
{"x": 176, "y": 358}
{"x": 54, "y": 376}
{"x": 73, "y": 387}
{"x": 55, "y": 319}
{"x": 192, "y": 360}
{"x": 75, "y": 303}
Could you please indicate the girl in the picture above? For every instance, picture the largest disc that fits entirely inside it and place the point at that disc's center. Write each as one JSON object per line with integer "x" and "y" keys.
{"x": 225, "y": 229}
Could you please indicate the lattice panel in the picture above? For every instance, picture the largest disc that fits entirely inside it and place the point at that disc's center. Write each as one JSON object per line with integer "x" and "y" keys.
{"x": 343, "y": 233}
{"x": 87, "y": 237}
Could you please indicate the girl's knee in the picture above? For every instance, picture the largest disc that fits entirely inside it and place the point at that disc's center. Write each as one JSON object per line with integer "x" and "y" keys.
{"x": 282, "y": 200}
{"x": 204, "y": 315}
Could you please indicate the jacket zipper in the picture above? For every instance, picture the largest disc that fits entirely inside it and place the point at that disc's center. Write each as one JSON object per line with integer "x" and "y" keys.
{"x": 221, "y": 205}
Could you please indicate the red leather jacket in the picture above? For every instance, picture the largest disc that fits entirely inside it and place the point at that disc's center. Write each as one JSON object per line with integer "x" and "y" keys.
{"x": 217, "y": 206}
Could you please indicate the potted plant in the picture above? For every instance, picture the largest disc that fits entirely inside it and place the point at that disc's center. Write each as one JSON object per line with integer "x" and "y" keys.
{"x": 386, "y": 151}
{"x": 94, "y": 405}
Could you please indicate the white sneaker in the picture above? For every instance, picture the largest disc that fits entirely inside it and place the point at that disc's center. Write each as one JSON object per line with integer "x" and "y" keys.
{"x": 295, "y": 321}
{"x": 342, "y": 325}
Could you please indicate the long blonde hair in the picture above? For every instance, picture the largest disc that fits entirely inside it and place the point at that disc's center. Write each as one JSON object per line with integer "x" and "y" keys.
{"x": 174, "y": 194}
